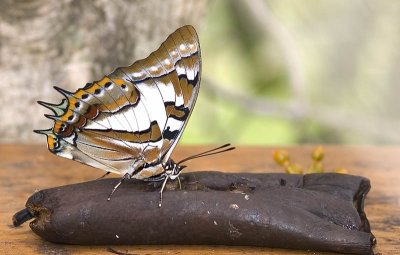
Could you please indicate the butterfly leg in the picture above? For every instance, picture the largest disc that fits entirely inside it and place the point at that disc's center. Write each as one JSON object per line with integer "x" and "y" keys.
{"x": 180, "y": 184}
{"x": 162, "y": 189}
{"x": 126, "y": 176}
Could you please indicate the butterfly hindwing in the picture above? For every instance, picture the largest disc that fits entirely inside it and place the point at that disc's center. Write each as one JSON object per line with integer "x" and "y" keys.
{"x": 173, "y": 69}
{"x": 133, "y": 116}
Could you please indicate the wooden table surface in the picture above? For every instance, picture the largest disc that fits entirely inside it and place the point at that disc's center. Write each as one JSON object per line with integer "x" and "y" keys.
{"x": 27, "y": 168}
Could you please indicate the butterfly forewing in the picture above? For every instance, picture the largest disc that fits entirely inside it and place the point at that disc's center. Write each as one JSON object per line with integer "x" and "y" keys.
{"x": 134, "y": 116}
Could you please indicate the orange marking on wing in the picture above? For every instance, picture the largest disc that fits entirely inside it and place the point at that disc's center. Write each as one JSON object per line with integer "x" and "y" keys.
{"x": 80, "y": 93}
{"x": 57, "y": 129}
{"x": 119, "y": 82}
{"x": 65, "y": 117}
{"x": 120, "y": 98}
{"x": 50, "y": 142}
{"x": 57, "y": 126}
{"x": 92, "y": 89}
{"x": 72, "y": 101}
{"x": 103, "y": 81}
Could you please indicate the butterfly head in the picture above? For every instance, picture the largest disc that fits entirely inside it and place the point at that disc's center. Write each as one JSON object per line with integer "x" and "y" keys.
{"x": 173, "y": 169}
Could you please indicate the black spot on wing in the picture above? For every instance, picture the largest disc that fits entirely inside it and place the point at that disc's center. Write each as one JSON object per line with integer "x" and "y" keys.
{"x": 88, "y": 85}
{"x": 170, "y": 135}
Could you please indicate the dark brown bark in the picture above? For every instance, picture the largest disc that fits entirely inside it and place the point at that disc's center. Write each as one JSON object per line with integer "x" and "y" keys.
{"x": 320, "y": 212}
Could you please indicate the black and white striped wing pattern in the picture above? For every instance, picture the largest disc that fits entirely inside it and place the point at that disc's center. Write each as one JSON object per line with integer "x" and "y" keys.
{"x": 131, "y": 120}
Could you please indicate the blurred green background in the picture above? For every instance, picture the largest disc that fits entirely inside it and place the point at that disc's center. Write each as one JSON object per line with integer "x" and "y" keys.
{"x": 291, "y": 72}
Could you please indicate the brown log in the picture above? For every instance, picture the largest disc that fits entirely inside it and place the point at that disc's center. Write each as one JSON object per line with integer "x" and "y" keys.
{"x": 319, "y": 212}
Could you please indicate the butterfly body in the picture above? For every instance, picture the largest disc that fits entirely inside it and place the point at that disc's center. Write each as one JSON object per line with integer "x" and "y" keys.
{"x": 130, "y": 121}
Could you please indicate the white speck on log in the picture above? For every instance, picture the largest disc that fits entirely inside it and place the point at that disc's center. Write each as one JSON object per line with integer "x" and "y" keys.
{"x": 234, "y": 206}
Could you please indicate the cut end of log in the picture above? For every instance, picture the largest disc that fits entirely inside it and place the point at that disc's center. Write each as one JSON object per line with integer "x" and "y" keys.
{"x": 22, "y": 216}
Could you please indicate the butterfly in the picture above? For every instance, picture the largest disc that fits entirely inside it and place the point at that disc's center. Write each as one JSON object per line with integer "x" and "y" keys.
{"x": 130, "y": 121}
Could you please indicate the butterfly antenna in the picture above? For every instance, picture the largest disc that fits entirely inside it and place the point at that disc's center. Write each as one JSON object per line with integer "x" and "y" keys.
{"x": 43, "y": 132}
{"x": 220, "y": 149}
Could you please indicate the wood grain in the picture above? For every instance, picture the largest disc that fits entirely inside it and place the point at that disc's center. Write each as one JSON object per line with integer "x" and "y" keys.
{"x": 26, "y": 168}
